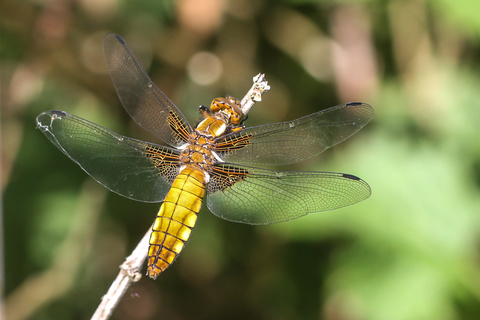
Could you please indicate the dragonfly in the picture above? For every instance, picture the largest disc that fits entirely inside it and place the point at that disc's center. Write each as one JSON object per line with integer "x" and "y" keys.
{"x": 215, "y": 161}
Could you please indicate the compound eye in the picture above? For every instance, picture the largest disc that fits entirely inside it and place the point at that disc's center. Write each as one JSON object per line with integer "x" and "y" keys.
{"x": 230, "y": 106}
{"x": 236, "y": 111}
{"x": 235, "y": 116}
{"x": 219, "y": 104}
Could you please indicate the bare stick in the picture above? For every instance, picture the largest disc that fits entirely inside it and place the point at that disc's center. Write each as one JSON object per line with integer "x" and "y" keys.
{"x": 259, "y": 87}
{"x": 130, "y": 269}
{"x": 129, "y": 273}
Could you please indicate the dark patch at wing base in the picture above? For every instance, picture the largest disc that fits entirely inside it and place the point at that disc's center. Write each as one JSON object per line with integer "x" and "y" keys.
{"x": 233, "y": 142}
{"x": 225, "y": 176}
{"x": 165, "y": 160}
{"x": 179, "y": 126}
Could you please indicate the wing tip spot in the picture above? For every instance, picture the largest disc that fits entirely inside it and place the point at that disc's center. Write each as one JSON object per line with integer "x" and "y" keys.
{"x": 353, "y": 104}
{"x": 119, "y": 39}
{"x": 350, "y": 176}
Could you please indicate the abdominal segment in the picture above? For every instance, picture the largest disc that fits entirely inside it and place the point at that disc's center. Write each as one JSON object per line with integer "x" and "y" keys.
{"x": 175, "y": 219}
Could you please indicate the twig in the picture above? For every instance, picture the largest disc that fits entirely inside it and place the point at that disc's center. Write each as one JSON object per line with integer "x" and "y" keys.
{"x": 129, "y": 273}
{"x": 130, "y": 269}
{"x": 259, "y": 87}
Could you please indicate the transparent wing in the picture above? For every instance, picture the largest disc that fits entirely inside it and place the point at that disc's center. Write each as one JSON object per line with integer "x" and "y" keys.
{"x": 144, "y": 102}
{"x": 297, "y": 140}
{"x": 258, "y": 196}
{"x": 132, "y": 168}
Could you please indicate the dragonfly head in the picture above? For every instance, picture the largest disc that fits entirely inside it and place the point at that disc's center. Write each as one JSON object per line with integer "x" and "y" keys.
{"x": 228, "y": 106}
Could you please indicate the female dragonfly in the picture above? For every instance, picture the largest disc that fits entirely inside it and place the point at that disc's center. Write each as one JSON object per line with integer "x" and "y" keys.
{"x": 215, "y": 159}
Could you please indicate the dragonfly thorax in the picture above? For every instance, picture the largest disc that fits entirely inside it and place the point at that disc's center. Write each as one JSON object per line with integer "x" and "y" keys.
{"x": 212, "y": 126}
{"x": 199, "y": 151}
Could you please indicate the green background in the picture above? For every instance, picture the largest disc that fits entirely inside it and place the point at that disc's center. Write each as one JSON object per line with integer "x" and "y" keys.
{"x": 410, "y": 252}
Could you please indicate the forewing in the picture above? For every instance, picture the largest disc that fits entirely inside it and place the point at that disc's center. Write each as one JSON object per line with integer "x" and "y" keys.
{"x": 258, "y": 196}
{"x": 132, "y": 168}
{"x": 297, "y": 140}
{"x": 144, "y": 102}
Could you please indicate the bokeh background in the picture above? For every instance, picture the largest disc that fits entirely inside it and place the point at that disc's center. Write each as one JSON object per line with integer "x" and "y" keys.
{"x": 410, "y": 252}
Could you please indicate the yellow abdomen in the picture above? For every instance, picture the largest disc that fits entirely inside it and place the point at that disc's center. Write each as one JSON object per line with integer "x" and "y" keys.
{"x": 175, "y": 219}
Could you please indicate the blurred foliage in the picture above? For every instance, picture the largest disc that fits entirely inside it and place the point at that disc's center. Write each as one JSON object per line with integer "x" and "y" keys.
{"x": 411, "y": 251}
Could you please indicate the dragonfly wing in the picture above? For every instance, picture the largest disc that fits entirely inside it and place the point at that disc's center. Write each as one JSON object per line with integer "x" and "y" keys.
{"x": 144, "y": 102}
{"x": 297, "y": 140}
{"x": 259, "y": 196}
{"x": 132, "y": 168}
